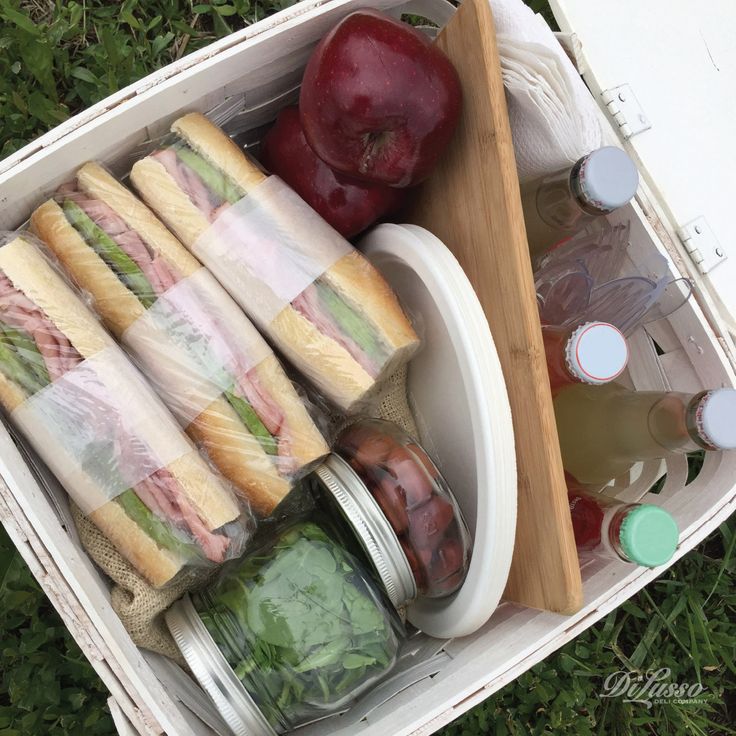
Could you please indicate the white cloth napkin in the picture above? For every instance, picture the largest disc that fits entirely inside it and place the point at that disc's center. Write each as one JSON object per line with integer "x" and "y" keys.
{"x": 554, "y": 120}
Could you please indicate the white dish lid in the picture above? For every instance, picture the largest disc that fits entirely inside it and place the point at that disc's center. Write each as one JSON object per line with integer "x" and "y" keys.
{"x": 459, "y": 398}
{"x": 679, "y": 60}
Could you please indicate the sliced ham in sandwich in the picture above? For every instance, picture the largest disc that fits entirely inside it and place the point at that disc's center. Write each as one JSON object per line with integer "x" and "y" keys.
{"x": 344, "y": 331}
{"x": 161, "y": 519}
{"x": 203, "y": 355}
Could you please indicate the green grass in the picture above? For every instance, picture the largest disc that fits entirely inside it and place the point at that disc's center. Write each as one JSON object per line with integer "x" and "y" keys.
{"x": 56, "y": 58}
{"x": 685, "y": 620}
{"x": 47, "y": 687}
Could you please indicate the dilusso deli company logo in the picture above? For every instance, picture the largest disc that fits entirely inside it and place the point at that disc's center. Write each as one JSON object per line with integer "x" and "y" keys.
{"x": 651, "y": 688}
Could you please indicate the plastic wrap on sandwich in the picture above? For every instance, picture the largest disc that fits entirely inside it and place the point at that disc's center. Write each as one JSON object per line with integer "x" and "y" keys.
{"x": 101, "y": 429}
{"x": 205, "y": 358}
{"x": 307, "y": 289}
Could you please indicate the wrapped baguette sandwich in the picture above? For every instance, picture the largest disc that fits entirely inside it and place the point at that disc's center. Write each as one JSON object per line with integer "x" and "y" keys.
{"x": 100, "y": 428}
{"x": 208, "y": 362}
{"x": 313, "y": 295}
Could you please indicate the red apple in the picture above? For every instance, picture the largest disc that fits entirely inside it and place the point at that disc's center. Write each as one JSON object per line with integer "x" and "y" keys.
{"x": 349, "y": 206}
{"x": 378, "y": 101}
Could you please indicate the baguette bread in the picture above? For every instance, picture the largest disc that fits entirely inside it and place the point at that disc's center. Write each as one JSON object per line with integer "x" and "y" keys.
{"x": 328, "y": 365}
{"x": 30, "y": 273}
{"x": 157, "y": 565}
{"x": 234, "y": 450}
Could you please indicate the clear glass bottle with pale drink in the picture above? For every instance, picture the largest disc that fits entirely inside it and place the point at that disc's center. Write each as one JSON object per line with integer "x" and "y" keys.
{"x": 560, "y": 204}
{"x": 604, "y": 430}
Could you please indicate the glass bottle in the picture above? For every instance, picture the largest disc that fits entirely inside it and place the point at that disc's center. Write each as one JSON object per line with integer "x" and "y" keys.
{"x": 293, "y": 631}
{"x": 641, "y": 533}
{"x": 604, "y": 430}
{"x": 558, "y": 205}
{"x": 593, "y": 353}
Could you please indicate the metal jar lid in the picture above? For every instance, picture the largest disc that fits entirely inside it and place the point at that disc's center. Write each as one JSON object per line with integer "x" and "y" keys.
{"x": 371, "y": 527}
{"x": 214, "y": 673}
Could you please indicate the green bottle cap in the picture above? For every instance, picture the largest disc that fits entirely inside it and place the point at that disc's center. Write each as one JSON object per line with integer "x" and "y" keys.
{"x": 648, "y": 535}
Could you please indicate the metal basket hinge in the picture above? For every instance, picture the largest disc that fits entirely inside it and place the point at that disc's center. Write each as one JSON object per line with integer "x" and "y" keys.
{"x": 625, "y": 110}
{"x": 702, "y": 245}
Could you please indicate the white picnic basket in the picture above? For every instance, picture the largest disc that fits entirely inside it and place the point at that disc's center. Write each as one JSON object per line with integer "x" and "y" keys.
{"x": 151, "y": 695}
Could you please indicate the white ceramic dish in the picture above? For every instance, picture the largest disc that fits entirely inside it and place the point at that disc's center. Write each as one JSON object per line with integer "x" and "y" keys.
{"x": 456, "y": 387}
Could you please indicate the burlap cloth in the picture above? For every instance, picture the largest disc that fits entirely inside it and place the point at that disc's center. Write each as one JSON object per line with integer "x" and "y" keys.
{"x": 139, "y": 606}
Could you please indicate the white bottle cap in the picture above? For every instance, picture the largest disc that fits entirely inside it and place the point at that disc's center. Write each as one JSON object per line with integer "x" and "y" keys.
{"x": 608, "y": 178}
{"x": 596, "y": 353}
{"x": 716, "y": 418}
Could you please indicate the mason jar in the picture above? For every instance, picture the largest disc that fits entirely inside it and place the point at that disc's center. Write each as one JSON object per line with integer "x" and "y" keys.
{"x": 393, "y": 498}
{"x": 292, "y": 632}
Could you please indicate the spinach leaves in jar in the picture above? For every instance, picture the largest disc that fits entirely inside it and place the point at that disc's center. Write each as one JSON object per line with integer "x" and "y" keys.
{"x": 301, "y": 627}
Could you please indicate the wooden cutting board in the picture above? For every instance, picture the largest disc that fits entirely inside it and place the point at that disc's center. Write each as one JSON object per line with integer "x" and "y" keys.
{"x": 472, "y": 203}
